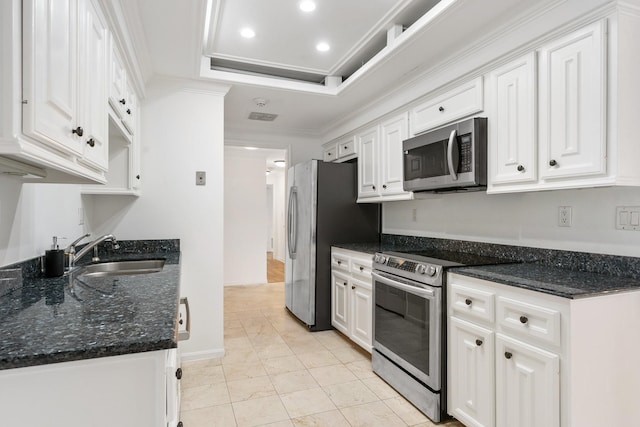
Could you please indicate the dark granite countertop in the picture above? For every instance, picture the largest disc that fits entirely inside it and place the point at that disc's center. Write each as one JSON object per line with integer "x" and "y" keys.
{"x": 551, "y": 280}
{"x": 367, "y": 248}
{"x": 50, "y": 320}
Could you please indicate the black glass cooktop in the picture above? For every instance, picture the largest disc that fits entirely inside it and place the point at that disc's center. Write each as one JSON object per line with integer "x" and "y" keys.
{"x": 447, "y": 258}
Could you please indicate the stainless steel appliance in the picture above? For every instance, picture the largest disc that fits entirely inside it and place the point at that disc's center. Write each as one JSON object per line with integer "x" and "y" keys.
{"x": 322, "y": 211}
{"x": 409, "y": 323}
{"x": 447, "y": 159}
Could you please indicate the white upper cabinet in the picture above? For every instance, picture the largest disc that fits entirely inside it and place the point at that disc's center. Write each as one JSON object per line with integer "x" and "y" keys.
{"x": 573, "y": 103}
{"x": 368, "y": 171}
{"x": 512, "y": 128}
{"x": 462, "y": 101}
{"x": 93, "y": 84}
{"x": 117, "y": 81}
{"x": 392, "y": 133}
{"x": 50, "y": 74}
{"x": 380, "y": 163}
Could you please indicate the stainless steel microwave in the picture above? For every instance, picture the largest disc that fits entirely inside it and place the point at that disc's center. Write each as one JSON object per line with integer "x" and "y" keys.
{"x": 453, "y": 158}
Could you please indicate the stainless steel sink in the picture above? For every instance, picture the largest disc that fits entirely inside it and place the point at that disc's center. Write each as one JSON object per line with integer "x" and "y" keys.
{"x": 118, "y": 268}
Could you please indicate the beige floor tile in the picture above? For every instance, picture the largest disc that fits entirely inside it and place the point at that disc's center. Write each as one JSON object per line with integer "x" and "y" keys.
{"x": 260, "y": 411}
{"x": 280, "y": 365}
{"x": 252, "y": 388}
{"x": 350, "y": 394}
{"x": 285, "y": 423}
{"x": 234, "y": 333}
{"x": 213, "y": 416}
{"x": 406, "y": 411}
{"x": 293, "y": 381}
{"x": 265, "y": 338}
{"x": 240, "y": 355}
{"x": 194, "y": 377}
{"x": 306, "y": 402}
{"x": 332, "y": 340}
{"x": 243, "y": 371}
{"x": 372, "y": 414}
{"x": 318, "y": 359}
{"x": 350, "y": 354}
{"x": 201, "y": 364}
{"x": 380, "y": 388}
{"x": 269, "y": 351}
{"x": 329, "y": 375}
{"x": 232, "y": 324}
{"x": 324, "y": 419}
{"x": 204, "y": 396}
{"x": 361, "y": 369}
{"x": 242, "y": 342}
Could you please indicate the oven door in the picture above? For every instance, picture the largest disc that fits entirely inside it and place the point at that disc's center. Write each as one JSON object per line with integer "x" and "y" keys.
{"x": 407, "y": 325}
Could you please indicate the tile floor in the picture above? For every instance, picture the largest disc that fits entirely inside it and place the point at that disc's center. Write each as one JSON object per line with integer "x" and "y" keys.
{"x": 276, "y": 373}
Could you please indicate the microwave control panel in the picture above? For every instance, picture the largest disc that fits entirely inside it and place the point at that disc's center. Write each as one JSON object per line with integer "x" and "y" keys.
{"x": 466, "y": 154}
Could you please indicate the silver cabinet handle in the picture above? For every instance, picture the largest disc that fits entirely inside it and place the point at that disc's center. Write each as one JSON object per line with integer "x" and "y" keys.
{"x": 184, "y": 335}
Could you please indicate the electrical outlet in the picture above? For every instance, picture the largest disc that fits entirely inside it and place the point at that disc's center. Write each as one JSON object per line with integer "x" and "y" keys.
{"x": 564, "y": 216}
{"x": 201, "y": 178}
{"x": 628, "y": 218}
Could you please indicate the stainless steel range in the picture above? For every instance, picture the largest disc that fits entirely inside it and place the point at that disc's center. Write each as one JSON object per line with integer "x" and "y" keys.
{"x": 409, "y": 324}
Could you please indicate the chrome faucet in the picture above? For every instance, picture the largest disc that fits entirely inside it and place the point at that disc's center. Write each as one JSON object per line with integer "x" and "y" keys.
{"x": 73, "y": 256}
{"x": 70, "y": 251}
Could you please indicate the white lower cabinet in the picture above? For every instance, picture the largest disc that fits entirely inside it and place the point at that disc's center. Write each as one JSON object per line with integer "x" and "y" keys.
{"x": 523, "y": 358}
{"x": 135, "y": 390}
{"x": 351, "y": 296}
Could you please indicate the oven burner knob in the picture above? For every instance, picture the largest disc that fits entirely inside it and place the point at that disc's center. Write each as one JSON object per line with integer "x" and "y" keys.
{"x": 380, "y": 259}
{"x": 423, "y": 269}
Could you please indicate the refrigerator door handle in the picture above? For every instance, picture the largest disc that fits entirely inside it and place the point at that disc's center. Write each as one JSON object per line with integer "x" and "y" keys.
{"x": 292, "y": 217}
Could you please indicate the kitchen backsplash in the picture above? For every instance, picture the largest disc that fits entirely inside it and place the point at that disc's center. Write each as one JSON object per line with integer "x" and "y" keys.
{"x": 621, "y": 266}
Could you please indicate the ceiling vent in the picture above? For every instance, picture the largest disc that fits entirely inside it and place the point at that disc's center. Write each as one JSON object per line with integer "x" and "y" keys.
{"x": 263, "y": 117}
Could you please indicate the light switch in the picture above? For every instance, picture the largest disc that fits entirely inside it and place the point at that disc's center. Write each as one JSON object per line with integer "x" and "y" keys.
{"x": 628, "y": 218}
{"x": 201, "y": 178}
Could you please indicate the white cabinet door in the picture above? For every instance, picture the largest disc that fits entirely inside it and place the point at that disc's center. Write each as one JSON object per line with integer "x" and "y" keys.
{"x": 573, "y": 105}
{"x": 340, "y": 303}
{"x": 512, "y": 127}
{"x": 392, "y": 133}
{"x": 471, "y": 373}
{"x": 360, "y": 320}
{"x": 130, "y": 114}
{"x": 368, "y": 163}
{"x": 93, "y": 86}
{"x": 527, "y": 385}
{"x": 50, "y": 73}
{"x": 117, "y": 81}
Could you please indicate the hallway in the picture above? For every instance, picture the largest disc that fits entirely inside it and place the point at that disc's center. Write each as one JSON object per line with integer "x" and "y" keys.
{"x": 275, "y": 269}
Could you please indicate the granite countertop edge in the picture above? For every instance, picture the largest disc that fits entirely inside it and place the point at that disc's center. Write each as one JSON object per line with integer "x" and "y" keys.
{"x": 126, "y": 337}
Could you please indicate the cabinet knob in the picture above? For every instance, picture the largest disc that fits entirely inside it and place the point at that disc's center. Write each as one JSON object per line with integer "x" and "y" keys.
{"x": 508, "y": 355}
{"x": 329, "y": 153}
{"x": 441, "y": 108}
{"x": 137, "y": 176}
{"x": 78, "y": 131}
{"x": 179, "y": 373}
{"x": 180, "y": 424}
{"x": 553, "y": 163}
{"x": 520, "y": 168}
{"x": 346, "y": 147}
{"x": 123, "y": 101}
{"x": 373, "y": 187}
{"x": 478, "y": 343}
{"x": 384, "y": 186}
{"x": 353, "y": 287}
{"x": 339, "y": 262}
{"x": 468, "y": 301}
{"x": 361, "y": 268}
{"x": 129, "y": 111}
{"x": 523, "y": 319}
{"x": 345, "y": 284}
{"x": 91, "y": 143}
{"x": 181, "y": 321}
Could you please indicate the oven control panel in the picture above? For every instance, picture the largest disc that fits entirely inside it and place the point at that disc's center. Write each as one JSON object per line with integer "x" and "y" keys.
{"x": 402, "y": 264}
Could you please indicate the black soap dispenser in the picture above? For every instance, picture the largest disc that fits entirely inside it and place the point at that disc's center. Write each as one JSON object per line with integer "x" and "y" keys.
{"x": 54, "y": 260}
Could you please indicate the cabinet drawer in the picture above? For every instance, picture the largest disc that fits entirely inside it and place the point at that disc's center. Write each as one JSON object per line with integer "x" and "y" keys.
{"x": 340, "y": 262}
{"x": 346, "y": 148}
{"x": 470, "y": 303}
{"x": 361, "y": 267}
{"x": 330, "y": 153}
{"x": 528, "y": 320}
{"x": 460, "y": 102}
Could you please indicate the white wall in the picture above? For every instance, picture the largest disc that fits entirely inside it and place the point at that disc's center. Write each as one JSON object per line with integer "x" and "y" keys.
{"x": 299, "y": 147}
{"x": 523, "y": 219}
{"x": 277, "y": 179}
{"x": 182, "y": 132}
{"x": 245, "y": 219}
{"x": 30, "y": 214}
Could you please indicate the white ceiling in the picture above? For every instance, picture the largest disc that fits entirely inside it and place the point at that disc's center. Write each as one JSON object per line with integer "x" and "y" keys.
{"x": 171, "y": 38}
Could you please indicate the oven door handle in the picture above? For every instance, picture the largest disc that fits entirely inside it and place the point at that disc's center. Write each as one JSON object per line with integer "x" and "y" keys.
{"x": 421, "y": 292}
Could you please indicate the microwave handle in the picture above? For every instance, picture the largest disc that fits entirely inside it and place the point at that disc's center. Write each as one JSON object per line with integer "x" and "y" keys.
{"x": 452, "y": 168}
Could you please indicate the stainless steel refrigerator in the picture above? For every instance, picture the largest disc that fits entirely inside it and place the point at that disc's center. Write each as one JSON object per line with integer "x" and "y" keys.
{"x": 322, "y": 211}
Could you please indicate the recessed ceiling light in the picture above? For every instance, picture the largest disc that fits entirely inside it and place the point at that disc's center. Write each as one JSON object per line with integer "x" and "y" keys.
{"x": 322, "y": 47}
{"x": 250, "y": 148}
{"x": 247, "y": 33}
{"x": 279, "y": 163}
{"x": 307, "y": 6}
